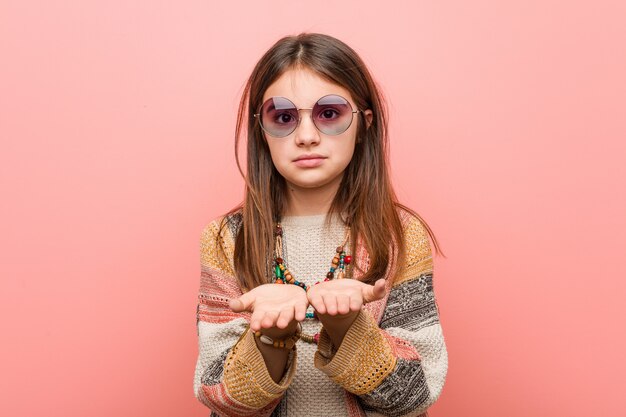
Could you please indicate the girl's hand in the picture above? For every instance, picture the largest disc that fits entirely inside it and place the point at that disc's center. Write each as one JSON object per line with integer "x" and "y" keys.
{"x": 272, "y": 305}
{"x": 344, "y": 296}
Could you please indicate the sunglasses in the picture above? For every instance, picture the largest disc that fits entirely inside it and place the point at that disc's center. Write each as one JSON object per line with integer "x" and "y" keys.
{"x": 331, "y": 115}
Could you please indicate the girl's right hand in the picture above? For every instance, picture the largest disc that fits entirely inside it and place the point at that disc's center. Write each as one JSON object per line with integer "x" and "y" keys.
{"x": 272, "y": 305}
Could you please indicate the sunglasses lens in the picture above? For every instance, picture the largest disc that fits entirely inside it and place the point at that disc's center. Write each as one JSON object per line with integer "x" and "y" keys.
{"x": 279, "y": 117}
{"x": 332, "y": 115}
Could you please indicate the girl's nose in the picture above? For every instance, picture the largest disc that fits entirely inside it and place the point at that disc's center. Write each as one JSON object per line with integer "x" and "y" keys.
{"x": 306, "y": 132}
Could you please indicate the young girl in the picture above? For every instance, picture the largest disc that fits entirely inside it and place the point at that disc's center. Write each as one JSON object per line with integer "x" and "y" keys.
{"x": 316, "y": 294}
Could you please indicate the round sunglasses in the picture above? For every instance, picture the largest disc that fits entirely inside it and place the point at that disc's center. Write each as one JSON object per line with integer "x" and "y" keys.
{"x": 331, "y": 115}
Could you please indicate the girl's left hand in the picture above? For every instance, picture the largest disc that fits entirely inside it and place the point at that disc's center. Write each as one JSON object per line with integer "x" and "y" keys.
{"x": 343, "y": 296}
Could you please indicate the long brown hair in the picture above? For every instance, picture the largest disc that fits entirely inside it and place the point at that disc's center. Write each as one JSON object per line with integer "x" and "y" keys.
{"x": 365, "y": 200}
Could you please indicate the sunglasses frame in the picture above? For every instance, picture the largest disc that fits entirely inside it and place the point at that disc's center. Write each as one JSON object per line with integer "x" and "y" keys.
{"x": 258, "y": 116}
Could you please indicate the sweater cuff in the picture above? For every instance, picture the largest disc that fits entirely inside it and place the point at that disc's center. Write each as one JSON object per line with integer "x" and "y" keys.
{"x": 246, "y": 377}
{"x": 363, "y": 360}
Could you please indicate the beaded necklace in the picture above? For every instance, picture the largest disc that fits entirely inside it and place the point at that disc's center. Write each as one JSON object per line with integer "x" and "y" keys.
{"x": 282, "y": 275}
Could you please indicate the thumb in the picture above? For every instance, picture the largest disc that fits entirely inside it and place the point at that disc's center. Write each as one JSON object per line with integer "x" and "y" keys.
{"x": 242, "y": 303}
{"x": 374, "y": 292}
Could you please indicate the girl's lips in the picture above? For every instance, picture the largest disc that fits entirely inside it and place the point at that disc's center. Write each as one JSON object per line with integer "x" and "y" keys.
{"x": 309, "y": 162}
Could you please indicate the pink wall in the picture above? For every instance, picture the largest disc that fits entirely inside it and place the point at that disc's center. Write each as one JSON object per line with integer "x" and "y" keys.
{"x": 508, "y": 136}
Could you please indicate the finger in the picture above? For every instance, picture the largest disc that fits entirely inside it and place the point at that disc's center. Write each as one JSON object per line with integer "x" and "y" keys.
{"x": 343, "y": 303}
{"x": 243, "y": 303}
{"x": 379, "y": 288}
{"x": 331, "y": 304}
{"x": 300, "y": 311}
{"x": 356, "y": 302}
{"x": 318, "y": 303}
{"x": 255, "y": 320}
{"x": 374, "y": 292}
{"x": 312, "y": 292}
{"x": 269, "y": 319}
{"x": 284, "y": 317}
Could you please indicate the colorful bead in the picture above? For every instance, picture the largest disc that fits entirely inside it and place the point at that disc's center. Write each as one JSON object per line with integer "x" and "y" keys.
{"x": 347, "y": 259}
{"x": 330, "y": 275}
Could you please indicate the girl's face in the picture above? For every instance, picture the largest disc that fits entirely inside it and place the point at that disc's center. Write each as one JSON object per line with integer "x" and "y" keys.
{"x": 307, "y": 158}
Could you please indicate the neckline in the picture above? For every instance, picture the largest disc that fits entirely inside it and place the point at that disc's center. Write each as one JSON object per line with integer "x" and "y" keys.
{"x": 308, "y": 220}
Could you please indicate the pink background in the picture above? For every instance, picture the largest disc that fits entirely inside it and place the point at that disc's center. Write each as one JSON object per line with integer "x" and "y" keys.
{"x": 508, "y": 130}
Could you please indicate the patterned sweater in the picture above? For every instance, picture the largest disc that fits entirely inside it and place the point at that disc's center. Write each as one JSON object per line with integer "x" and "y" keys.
{"x": 392, "y": 361}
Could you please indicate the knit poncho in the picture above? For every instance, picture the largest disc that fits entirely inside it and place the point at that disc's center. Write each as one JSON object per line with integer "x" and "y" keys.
{"x": 392, "y": 361}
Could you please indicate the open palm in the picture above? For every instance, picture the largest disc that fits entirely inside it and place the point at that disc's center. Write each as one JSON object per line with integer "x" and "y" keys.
{"x": 272, "y": 305}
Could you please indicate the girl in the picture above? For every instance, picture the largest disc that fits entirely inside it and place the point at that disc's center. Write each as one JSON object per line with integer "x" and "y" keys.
{"x": 316, "y": 294}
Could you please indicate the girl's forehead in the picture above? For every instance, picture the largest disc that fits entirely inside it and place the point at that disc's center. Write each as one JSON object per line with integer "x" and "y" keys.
{"x": 304, "y": 87}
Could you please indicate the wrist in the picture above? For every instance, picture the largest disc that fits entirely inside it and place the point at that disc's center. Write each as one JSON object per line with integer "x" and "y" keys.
{"x": 278, "y": 333}
{"x": 280, "y": 339}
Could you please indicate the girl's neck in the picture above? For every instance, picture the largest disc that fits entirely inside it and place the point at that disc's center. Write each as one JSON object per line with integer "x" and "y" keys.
{"x": 310, "y": 201}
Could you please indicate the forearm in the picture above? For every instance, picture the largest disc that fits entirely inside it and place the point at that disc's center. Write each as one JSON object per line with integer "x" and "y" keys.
{"x": 276, "y": 358}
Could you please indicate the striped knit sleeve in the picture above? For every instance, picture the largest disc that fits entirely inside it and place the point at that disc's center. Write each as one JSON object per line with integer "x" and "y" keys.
{"x": 396, "y": 367}
{"x": 231, "y": 377}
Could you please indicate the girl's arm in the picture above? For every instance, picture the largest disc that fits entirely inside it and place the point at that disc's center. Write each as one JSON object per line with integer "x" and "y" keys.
{"x": 397, "y": 367}
{"x": 231, "y": 377}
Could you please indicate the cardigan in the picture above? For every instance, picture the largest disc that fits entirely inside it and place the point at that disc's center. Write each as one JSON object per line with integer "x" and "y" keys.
{"x": 392, "y": 361}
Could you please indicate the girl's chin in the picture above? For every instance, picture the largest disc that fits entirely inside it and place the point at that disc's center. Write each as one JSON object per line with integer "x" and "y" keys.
{"x": 307, "y": 185}
{"x": 314, "y": 183}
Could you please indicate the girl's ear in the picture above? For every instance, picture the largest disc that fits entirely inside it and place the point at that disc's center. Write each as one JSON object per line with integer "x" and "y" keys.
{"x": 369, "y": 116}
